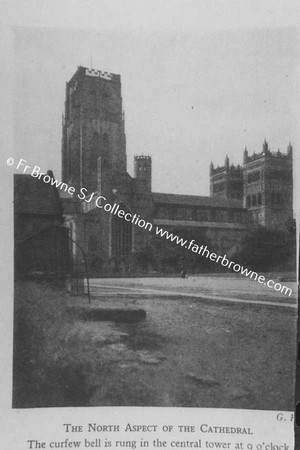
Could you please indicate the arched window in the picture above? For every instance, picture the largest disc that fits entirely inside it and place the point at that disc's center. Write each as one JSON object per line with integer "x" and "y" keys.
{"x": 259, "y": 198}
{"x": 253, "y": 200}
{"x": 92, "y": 244}
{"x": 121, "y": 238}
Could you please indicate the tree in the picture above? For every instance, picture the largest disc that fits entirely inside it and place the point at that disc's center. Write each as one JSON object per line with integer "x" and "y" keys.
{"x": 172, "y": 257}
{"x": 141, "y": 261}
{"x": 264, "y": 249}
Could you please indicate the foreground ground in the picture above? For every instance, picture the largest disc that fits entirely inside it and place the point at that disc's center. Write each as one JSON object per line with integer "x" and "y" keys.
{"x": 201, "y": 345}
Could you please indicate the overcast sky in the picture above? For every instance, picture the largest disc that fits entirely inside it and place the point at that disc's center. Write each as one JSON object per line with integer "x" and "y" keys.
{"x": 192, "y": 93}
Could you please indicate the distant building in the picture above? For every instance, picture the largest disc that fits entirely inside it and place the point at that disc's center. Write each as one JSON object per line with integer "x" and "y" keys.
{"x": 41, "y": 240}
{"x": 94, "y": 159}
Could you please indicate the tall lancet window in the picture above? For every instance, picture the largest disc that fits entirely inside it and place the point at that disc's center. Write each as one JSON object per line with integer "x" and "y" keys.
{"x": 121, "y": 234}
{"x": 105, "y": 150}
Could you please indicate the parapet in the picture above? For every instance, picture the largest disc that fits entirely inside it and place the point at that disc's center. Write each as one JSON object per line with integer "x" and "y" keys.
{"x": 99, "y": 73}
{"x": 232, "y": 169}
{"x": 85, "y": 71}
{"x": 254, "y": 157}
{"x": 268, "y": 154}
{"x": 142, "y": 157}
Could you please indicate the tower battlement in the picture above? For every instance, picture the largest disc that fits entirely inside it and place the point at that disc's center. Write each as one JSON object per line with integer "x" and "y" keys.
{"x": 98, "y": 73}
{"x": 226, "y": 168}
{"x": 83, "y": 72}
{"x": 278, "y": 155}
{"x": 142, "y": 157}
{"x": 219, "y": 169}
{"x": 267, "y": 153}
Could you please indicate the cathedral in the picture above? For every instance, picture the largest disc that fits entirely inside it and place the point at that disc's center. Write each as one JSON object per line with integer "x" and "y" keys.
{"x": 94, "y": 159}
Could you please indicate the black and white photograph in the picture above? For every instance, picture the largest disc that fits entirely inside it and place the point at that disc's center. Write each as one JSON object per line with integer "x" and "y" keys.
{"x": 153, "y": 174}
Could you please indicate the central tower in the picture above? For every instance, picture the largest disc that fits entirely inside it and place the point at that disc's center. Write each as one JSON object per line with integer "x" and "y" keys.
{"x": 93, "y": 138}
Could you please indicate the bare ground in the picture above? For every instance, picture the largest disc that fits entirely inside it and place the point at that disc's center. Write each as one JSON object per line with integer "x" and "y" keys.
{"x": 187, "y": 352}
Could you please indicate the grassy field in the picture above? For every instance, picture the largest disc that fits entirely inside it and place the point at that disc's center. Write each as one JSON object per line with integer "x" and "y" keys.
{"x": 50, "y": 368}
